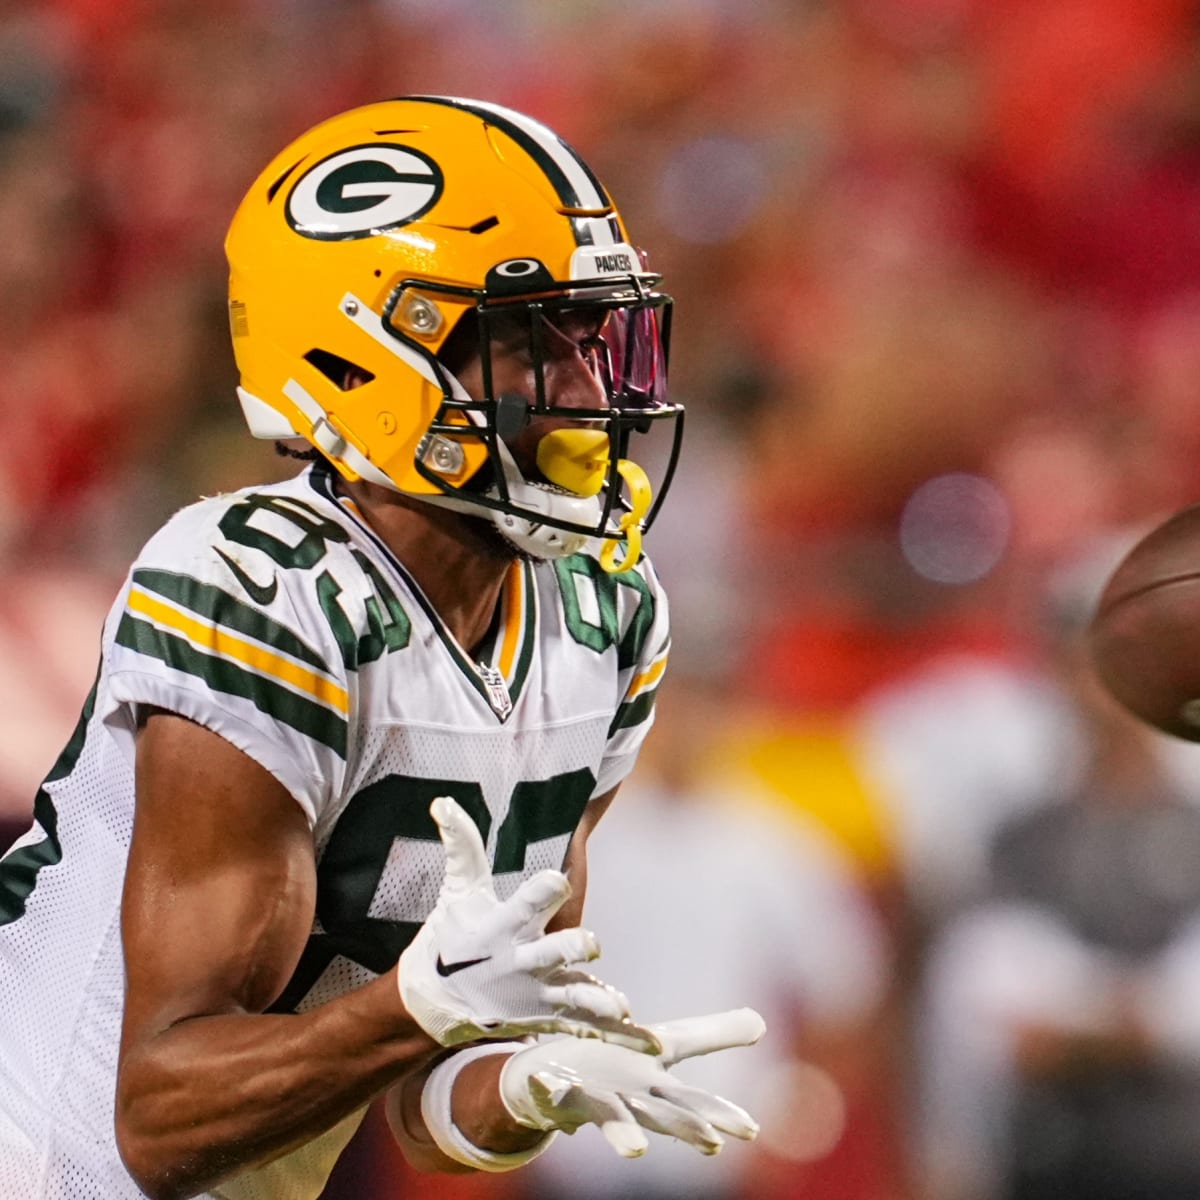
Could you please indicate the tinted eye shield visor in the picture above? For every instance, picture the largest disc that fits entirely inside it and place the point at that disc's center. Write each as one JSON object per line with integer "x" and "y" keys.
{"x": 620, "y": 327}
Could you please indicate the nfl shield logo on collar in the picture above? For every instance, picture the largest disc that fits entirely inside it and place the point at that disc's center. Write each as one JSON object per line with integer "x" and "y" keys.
{"x": 497, "y": 690}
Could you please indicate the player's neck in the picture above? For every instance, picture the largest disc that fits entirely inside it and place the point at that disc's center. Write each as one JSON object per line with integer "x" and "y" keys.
{"x": 460, "y": 569}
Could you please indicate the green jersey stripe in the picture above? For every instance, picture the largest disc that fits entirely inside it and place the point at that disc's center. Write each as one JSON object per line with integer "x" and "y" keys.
{"x": 634, "y": 712}
{"x": 19, "y": 869}
{"x": 305, "y": 716}
{"x": 219, "y": 607}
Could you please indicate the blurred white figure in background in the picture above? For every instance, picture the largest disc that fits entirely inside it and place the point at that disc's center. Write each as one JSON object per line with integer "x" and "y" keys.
{"x": 972, "y": 741}
{"x": 49, "y": 649}
{"x": 709, "y": 901}
{"x": 954, "y": 751}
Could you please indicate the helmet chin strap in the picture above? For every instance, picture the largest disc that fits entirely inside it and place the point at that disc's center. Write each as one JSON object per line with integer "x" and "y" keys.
{"x": 576, "y": 461}
{"x": 528, "y": 534}
{"x": 531, "y": 535}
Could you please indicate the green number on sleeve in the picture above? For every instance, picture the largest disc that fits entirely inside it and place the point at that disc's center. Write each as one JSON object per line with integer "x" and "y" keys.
{"x": 388, "y": 626}
{"x": 317, "y": 530}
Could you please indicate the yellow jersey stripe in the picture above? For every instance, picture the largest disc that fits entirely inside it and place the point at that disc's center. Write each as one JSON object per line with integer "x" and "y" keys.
{"x": 650, "y": 676}
{"x": 514, "y": 619}
{"x": 220, "y": 641}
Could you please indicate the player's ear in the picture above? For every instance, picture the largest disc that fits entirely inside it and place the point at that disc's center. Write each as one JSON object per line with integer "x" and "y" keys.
{"x": 354, "y": 377}
{"x": 341, "y": 371}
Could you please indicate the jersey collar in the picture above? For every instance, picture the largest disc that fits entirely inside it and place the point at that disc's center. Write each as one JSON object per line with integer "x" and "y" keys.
{"x": 500, "y": 667}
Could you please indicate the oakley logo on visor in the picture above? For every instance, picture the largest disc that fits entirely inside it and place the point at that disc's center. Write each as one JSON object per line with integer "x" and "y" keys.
{"x": 362, "y": 191}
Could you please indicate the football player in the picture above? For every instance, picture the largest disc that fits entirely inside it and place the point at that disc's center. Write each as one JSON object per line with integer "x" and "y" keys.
{"x": 320, "y": 833}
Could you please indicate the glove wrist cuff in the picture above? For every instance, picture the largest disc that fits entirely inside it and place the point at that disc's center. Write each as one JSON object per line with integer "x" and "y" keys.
{"x": 436, "y": 1110}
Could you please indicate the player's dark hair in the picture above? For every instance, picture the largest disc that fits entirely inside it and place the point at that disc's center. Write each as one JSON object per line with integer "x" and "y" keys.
{"x": 308, "y": 454}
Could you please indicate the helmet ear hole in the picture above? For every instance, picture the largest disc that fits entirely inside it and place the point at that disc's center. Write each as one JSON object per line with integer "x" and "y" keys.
{"x": 339, "y": 371}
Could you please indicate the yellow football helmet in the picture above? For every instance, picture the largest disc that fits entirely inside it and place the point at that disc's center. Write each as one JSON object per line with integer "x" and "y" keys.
{"x": 377, "y": 235}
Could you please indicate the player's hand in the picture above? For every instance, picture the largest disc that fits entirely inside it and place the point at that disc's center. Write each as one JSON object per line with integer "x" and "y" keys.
{"x": 563, "y": 1084}
{"x": 484, "y": 968}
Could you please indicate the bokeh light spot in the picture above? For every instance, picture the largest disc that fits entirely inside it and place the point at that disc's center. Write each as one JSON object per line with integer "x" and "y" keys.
{"x": 710, "y": 188}
{"x": 955, "y": 528}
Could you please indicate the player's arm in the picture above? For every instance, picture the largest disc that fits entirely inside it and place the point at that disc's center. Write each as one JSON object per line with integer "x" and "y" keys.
{"x": 219, "y": 900}
{"x": 218, "y": 904}
{"x": 476, "y": 1104}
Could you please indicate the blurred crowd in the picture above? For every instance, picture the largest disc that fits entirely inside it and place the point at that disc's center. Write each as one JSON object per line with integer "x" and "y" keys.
{"x": 937, "y": 273}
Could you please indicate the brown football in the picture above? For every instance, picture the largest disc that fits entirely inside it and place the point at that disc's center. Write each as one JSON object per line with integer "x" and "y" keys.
{"x": 1145, "y": 635}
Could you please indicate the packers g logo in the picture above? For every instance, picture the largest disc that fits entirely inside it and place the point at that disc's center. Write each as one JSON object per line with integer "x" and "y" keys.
{"x": 362, "y": 191}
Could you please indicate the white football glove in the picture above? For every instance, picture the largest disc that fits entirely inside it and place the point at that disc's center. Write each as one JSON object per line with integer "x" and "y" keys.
{"x": 484, "y": 968}
{"x": 563, "y": 1084}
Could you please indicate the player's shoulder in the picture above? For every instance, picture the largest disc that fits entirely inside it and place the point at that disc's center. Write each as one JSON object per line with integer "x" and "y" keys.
{"x": 290, "y": 521}
{"x": 580, "y": 579}
{"x": 275, "y": 561}
{"x": 256, "y": 558}
{"x": 224, "y": 618}
{"x": 257, "y": 541}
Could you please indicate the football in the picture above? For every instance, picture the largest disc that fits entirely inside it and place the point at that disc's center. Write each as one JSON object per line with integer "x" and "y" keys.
{"x": 1145, "y": 634}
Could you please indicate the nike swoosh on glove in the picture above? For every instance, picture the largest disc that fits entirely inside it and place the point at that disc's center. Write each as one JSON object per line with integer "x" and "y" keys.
{"x": 481, "y": 967}
{"x": 563, "y": 1084}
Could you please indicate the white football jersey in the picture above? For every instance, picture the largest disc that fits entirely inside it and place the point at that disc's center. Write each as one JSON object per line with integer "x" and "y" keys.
{"x": 275, "y": 617}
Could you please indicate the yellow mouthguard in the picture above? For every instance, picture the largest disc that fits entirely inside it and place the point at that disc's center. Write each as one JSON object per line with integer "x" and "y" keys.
{"x": 630, "y": 523}
{"x": 575, "y": 459}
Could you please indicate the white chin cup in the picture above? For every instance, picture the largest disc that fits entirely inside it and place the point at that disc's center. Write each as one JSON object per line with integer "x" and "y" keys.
{"x": 530, "y": 535}
{"x": 527, "y": 534}
{"x": 538, "y": 539}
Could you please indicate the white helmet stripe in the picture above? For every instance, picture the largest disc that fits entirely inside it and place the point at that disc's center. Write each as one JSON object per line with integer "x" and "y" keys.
{"x": 368, "y": 321}
{"x": 570, "y": 176}
{"x": 326, "y": 438}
